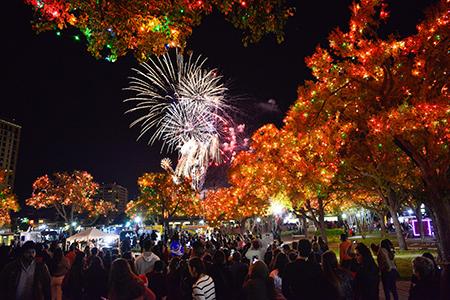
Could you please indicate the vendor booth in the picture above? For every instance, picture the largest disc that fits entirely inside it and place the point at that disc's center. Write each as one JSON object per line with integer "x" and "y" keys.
{"x": 95, "y": 237}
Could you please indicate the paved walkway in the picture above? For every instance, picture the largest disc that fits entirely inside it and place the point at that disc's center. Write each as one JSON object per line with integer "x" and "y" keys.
{"x": 402, "y": 288}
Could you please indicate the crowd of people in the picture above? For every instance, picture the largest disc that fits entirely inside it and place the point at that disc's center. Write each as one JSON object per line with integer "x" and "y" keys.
{"x": 220, "y": 267}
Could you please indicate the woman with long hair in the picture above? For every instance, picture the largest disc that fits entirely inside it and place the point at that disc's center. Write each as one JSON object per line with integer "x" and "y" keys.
{"x": 281, "y": 260}
{"x": 259, "y": 286}
{"x": 221, "y": 276}
{"x": 95, "y": 280}
{"x": 59, "y": 266}
{"x": 366, "y": 279}
{"x": 338, "y": 281}
{"x": 73, "y": 281}
{"x": 388, "y": 269}
{"x": 157, "y": 280}
{"x": 125, "y": 285}
{"x": 174, "y": 280}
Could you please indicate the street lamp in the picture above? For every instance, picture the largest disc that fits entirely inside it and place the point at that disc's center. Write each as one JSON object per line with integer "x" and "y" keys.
{"x": 276, "y": 208}
{"x": 74, "y": 224}
{"x": 344, "y": 216}
{"x": 258, "y": 219}
{"x": 137, "y": 219}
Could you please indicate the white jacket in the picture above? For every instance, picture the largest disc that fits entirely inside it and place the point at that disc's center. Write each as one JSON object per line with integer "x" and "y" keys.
{"x": 259, "y": 253}
{"x": 145, "y": 262}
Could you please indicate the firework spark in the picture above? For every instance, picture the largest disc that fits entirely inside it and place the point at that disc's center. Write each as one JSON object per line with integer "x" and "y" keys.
{"x": 184, "y": 105}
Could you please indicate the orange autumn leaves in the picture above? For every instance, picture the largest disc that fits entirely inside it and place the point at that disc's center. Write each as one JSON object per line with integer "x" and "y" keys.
{"x": 8, "y": 201}
{"x": 161, "y": 196}
{"x": 69, "y": 194}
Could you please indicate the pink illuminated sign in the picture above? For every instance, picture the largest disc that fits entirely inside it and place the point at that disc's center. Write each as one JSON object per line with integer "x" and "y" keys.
{"x": 426, "y": 227}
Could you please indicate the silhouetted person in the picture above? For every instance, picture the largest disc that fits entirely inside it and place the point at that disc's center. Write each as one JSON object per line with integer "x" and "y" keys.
{"x": 259, "y": 286}
{"x": 59, "y": 266}
{"x": 366, "y": 279}
{"x": 73, "y": 281}
{"x": 426, "y": 287}
{"x": 337, "y": 282}
{"x": 388, "y": 270}
{"x": 302, "y": 276}
{"x": 238, "y": 272}
{"x": 157, "y": 280}
{"x": 125, "y": 285}
{"x": 95, "y": 280}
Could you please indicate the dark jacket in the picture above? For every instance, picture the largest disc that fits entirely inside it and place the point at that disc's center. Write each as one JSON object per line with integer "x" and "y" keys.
{"x": 424, "y": 290}
{"x": 301, "y": 280}
{"x": 259, "y": 286}
{"x": 330, "y": 291}
{"x": 222, "y": 281}
{"x": 73, "y": 283}
{"x": 174, "y": 286}
{"x": 256, "y": 289}
{"x": 157, "y": 282}
{"x": 238, "y": 272}
{"x": 367, "y": 283}
{"x": 10, "y": 276}
{"x": 95, "y": 283}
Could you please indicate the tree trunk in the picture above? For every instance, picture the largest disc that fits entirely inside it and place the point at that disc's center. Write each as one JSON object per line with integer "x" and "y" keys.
{"x": 165, "y": 230}
{"x": 382, "y": 224}
{"x": 305, "y": 226}
{"x": 398, "y": 230}
{"x": 436, "y": 186}
{"x": 441, "y": 212}
{"x": 323, "y": 231}
{"x": 321, "y": 226}
{"x": 391, "y": 200}
{"x": 242, "y": 226}
{"x": 419, "y": 222}
{"x": 361, "y": 226}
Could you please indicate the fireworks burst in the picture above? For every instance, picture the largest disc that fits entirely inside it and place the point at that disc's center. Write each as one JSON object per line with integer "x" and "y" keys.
{"x": 184, "y": 106}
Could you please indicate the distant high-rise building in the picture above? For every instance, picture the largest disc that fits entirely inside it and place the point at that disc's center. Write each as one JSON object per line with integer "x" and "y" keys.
{"x": 113, "y": 193}
{"x": 9, "y": 149}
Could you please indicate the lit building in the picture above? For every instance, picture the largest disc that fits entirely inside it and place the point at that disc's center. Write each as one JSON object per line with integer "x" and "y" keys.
{"x": 113, "y": 193}
{"x": 9, "y": 149}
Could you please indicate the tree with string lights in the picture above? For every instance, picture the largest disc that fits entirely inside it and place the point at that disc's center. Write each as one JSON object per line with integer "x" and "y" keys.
{"x": 232, "y": 203}
{"x": 219, "y": 205}
{"x": 8, "y": 201}
{"x": 70, "y": 194}
{"x": 145, "y": 27}
{"x": 368, "y": 168}
{"x": 161, "y": 196}
{"x": 295, "y": 163}
{"x": 394, "y": 92}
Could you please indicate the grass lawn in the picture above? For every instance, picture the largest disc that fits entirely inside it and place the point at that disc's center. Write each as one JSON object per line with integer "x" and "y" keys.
{"x": 402, "y": 259}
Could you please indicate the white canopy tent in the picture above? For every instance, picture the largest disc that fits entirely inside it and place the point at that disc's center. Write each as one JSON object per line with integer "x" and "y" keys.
{"x": 92, "y": 234}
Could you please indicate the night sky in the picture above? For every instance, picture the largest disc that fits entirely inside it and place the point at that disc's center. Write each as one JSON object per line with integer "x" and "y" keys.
{"x": 70, "y": 105}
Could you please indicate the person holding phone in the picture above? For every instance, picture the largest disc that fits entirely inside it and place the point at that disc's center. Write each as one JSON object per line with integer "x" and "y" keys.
{"x": 255, "y": 251}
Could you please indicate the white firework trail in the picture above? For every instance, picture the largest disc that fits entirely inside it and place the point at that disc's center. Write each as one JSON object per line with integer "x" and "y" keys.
{"x": 184, "y": 105}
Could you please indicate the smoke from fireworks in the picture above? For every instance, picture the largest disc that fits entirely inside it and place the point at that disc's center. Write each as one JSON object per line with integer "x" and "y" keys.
{"x": 184, "y": 105}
